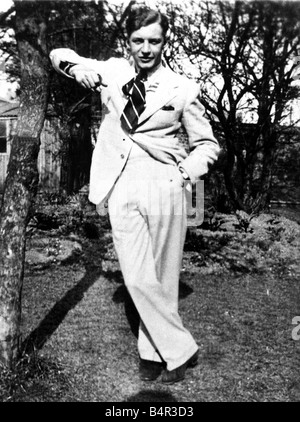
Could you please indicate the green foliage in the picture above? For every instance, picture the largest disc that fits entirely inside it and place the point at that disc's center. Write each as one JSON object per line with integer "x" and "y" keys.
{"x": 244, "y": 220}
{"x": 63, "y": 215}
{"x": 233, "y": 39}
{"x": 212, "y": 220}
{"x": 238, "y": 291}
{"x": 236, "y": 242}
{"x": 59, "y": 220}
{"x": 34, "y": 378}
{"x": 247, "y": 244}
{"x": 247, "y": 108}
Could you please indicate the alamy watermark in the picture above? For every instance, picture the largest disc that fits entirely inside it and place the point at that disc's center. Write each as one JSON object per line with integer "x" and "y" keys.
{"x": 159, "y": 198}
{"x": 296, "y": 330}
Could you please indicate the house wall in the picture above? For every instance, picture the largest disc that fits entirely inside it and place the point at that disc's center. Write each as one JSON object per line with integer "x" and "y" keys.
{"x": 49, "y": 159}
{"x": 4, "y": 157}
{"x": 3, "y": 166}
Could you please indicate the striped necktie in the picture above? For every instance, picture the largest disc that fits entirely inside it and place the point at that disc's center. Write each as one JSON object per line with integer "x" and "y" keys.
{"x": 136, "y": 103}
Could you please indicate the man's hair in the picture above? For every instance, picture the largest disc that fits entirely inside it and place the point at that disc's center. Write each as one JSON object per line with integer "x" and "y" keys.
{"x": 144, "y": 16}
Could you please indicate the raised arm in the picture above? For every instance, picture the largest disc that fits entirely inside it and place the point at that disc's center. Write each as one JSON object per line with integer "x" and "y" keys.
{"x": 87, "y": 72}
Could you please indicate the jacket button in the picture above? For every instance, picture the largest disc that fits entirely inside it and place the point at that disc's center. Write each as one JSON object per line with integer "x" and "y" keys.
{"x": 122, "y": 156}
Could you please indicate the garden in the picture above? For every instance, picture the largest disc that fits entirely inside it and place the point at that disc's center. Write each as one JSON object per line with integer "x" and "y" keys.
{"x": 239, "y": 293}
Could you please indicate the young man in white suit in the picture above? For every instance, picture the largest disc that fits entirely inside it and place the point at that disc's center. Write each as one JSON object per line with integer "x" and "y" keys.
{"x": 140, "y": 169}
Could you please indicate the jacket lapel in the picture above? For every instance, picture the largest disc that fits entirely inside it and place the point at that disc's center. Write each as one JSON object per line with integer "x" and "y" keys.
{"x": 163, "y": 94}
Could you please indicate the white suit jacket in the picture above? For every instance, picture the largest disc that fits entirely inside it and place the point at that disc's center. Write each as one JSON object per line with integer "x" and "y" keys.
{"x": 175, "y": 102}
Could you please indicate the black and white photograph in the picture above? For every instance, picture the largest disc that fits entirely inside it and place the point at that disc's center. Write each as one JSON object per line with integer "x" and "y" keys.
{"x": 150, "y": 203}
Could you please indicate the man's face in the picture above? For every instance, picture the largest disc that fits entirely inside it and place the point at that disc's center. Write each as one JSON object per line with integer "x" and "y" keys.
{"x": 146, "y": 46}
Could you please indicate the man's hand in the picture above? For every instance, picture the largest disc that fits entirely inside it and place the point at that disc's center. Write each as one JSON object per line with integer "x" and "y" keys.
{"x": 86, "y": 77}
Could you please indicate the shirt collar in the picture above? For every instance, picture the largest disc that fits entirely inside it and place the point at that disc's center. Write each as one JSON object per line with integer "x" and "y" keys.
{"x": 154, "y": 73}
{"x": 152, "y": 76}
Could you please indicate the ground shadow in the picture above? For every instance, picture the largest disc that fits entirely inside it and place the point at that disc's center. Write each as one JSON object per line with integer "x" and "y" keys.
{"x": 152, "y": 396}
{"x": 116, "y": 276}
{"x": 39, "y": 336}
{"x": 121, "y": 295}
{"x": 184, "y": 290}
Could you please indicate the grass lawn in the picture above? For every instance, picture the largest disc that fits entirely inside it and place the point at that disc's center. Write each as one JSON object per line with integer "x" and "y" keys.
{"x": 239, "y": 291}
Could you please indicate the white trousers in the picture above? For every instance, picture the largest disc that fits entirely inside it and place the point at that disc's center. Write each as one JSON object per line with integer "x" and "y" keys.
{"x": 147, "y": 210}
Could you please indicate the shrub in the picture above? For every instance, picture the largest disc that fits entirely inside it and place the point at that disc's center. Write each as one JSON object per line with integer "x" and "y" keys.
{"x": 255, "y": 244}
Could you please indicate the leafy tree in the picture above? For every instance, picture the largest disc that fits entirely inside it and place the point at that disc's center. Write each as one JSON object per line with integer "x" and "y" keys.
{"x": 39, "y": 26}
{"x": 8, "y": 46}
{"x": 243, "y": 52}
{"x": 22, "y": 175}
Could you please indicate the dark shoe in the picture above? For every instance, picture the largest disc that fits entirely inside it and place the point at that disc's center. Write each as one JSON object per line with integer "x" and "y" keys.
{"x": 150, "y": 370}
{"x": 178, "y": 374}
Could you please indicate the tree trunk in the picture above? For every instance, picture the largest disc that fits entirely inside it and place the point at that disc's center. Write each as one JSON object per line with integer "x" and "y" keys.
{"x": 22, "y": 174}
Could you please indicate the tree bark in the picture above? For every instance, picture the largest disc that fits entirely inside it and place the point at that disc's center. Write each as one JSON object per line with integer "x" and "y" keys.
{"x": 22, "y": 175}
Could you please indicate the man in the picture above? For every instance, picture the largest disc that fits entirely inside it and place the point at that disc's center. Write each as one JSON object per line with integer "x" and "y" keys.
{"x": 139, "y": 166}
